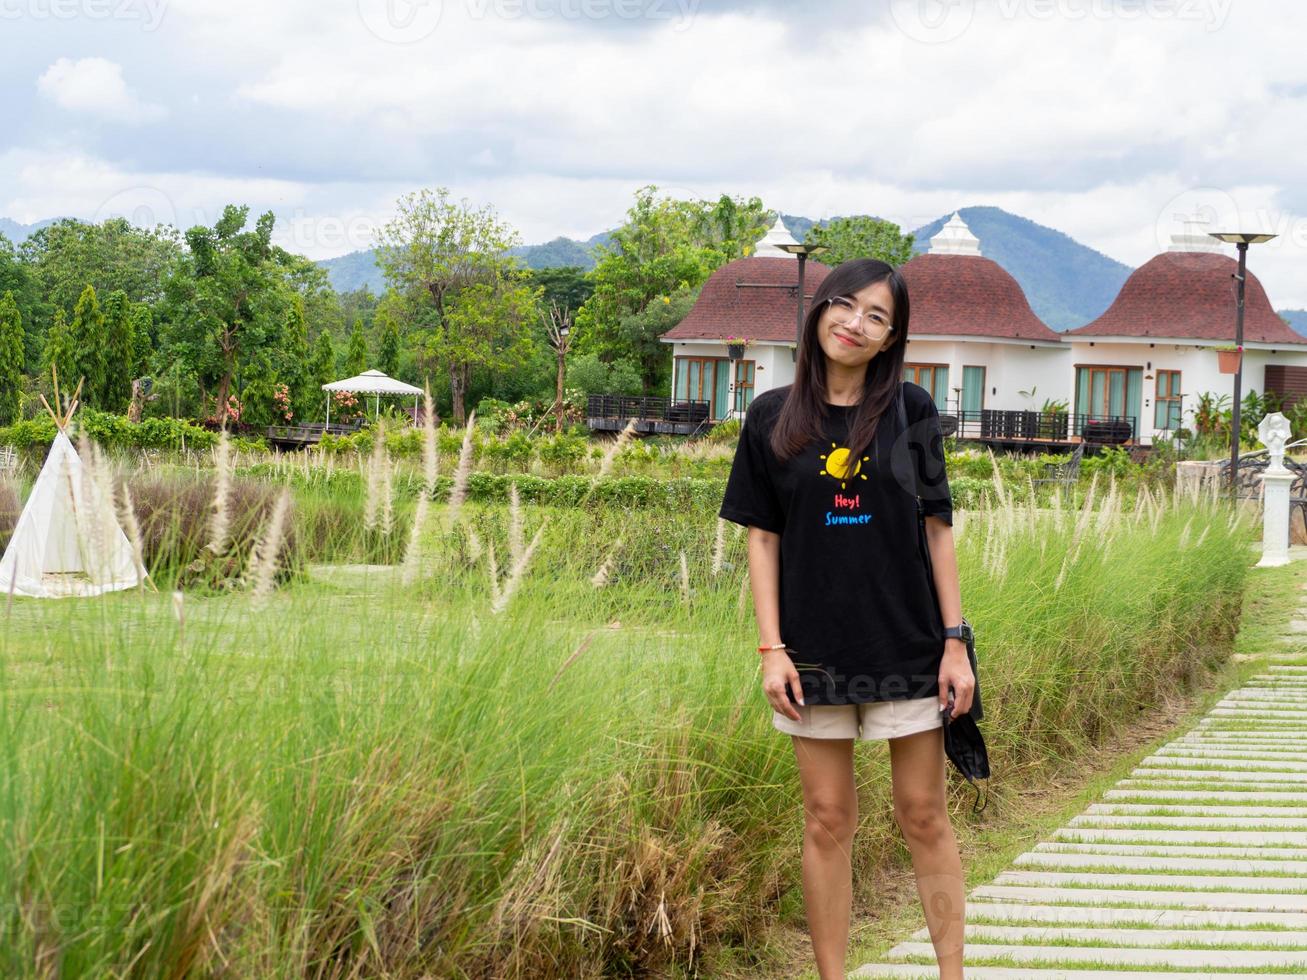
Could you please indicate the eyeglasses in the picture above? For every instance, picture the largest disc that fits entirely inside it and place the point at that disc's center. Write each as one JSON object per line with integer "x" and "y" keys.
{"x": 872, "y": 323}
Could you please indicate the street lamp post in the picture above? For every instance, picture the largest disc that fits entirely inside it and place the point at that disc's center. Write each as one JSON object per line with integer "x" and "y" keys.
{"x": 1241, "y": 241}
{"x": 801, "y": 252}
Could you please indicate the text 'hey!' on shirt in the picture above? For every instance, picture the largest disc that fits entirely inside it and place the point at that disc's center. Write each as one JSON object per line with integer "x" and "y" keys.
{"x": 856, "y": 608}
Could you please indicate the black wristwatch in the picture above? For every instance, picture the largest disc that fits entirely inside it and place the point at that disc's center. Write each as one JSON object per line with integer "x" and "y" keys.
{"x": 962, "y": 632}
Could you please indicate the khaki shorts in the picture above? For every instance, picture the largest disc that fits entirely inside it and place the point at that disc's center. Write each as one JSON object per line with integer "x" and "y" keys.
{"x": 874, "y": 719}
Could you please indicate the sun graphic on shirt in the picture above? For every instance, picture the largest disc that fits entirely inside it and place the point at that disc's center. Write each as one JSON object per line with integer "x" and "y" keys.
{"x": 837, "y": 465}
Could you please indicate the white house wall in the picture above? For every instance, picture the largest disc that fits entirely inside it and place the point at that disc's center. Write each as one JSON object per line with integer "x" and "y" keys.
{"x": 1012, "y": 367}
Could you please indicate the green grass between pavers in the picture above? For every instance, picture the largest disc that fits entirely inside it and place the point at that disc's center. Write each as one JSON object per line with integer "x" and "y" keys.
{"x": 1088, "y": 963}
{"x": 980, "y": 919}
{"x": 1118, "y": 869}
{"x": 1199, "y": 942}
{"x": 1270, "y": 601}
{"x": 373, "y": 779}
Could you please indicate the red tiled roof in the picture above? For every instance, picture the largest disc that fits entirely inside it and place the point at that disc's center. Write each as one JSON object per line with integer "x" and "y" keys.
{"x": 1191, "y": 295}
{"x": 968, "y": 295}
{"x": 729, "y": 306}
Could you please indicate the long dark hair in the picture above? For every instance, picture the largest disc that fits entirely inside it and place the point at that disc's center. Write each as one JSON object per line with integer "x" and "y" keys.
{"x": 801, "y": 417}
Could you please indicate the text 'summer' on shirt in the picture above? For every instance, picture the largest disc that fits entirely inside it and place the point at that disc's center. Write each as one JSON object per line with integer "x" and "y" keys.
{"x": 752, "y": 497}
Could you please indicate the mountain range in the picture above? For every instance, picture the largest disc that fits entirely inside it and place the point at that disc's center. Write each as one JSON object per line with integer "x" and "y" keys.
{"x": 1067, "y": 283}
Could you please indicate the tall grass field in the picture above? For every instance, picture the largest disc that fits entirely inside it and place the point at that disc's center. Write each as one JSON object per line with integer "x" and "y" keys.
{"x": 419, "y": 735}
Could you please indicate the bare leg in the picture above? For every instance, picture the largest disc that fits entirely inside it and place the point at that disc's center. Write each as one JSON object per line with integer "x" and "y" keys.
{"x": 830, "y": 807}
{"x": 920, "y": 808}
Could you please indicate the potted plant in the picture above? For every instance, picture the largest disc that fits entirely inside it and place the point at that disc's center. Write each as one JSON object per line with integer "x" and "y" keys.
{"x": 735, "y": 347}
{"x": 1228, "y": 358}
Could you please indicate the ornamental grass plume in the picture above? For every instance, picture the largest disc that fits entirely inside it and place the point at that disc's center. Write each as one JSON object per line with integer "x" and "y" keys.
{"x": 374, "y": 477}
{"x": 263, "y": 560}
{"x": 602, "y": 576}
{"x": 387, "y": 519}
{"x": 719, "y": 547}
{"x": 1183, "y": 541}
{"x": 515, "y": 533}
{"x": 1108, "y": 512}
{"x": 500, "y": 602}
{"x": 623, "y": 437}
{"x": 459, "y": 492}
{"x": 127, "y": 517}
{"x": 412, "y": 562}
{"x": 89, "y": 517}
{"x": 179, "y": 613}
{"x": 493, "y": 568}
{"x": 220, "y": 516}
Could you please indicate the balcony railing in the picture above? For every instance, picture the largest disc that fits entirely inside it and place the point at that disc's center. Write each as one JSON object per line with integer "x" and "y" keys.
{"x": 991, "y": 423}
{"x": 646, "y": 407}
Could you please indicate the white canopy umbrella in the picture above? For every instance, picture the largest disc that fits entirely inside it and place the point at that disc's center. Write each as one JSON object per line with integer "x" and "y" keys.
{"x": 372, "y": 383}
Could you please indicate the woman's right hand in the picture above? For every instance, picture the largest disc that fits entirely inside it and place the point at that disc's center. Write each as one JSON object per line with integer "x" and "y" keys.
{"x": 778, "y": 673}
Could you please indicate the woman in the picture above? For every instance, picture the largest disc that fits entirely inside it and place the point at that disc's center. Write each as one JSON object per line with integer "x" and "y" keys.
{"x": 853, "y": 643}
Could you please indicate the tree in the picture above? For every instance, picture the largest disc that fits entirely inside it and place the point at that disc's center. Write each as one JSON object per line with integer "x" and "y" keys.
{"x": 356, "y": 355}
{"x": 664, "y": 246}
{"x": 486, "y": 327}
{"x": 142, "y": 340}
{"x": 568, "y": 286}
{"x": 434, "y": 252}
{"x": 322, "y": 369}
{"x": 861, "y": 237}
{"x": 226, "y": 298}
{"x": 640, "y": 333}
{"x": 120, "y": 348}
{"x": 294, "y": 368}
{"x": 12, "y": 358}
{"x": 87, "y": 341}
{"x": 388, "y": 355}
{"x": 57, "y": 352}
{"x": 15, "y": 278}
{"x": 67, "y": 255}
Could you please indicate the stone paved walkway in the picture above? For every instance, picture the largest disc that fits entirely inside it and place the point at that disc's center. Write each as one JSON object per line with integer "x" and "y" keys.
{"x": 1194, "y": 865}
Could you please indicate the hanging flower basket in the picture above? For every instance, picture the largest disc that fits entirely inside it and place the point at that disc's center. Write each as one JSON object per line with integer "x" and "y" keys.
{"x": 1228, "y": 359}
{"x": 735, "y": 347}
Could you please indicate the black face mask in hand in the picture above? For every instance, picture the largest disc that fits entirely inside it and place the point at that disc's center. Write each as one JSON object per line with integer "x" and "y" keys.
{"x": 963, "y": 743}
{"x": 965, "y": 747}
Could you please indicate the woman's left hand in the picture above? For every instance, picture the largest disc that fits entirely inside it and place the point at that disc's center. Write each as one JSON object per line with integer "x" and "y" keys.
{"x": 955, "y": 672}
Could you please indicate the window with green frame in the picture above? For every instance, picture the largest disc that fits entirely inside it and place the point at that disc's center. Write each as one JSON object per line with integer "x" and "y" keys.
{"x": 1166, "y": 401}
{"x": 932, "y": 377}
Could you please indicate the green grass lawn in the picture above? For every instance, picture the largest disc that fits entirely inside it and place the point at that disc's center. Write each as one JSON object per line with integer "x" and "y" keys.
{"x": 359, "y": 777}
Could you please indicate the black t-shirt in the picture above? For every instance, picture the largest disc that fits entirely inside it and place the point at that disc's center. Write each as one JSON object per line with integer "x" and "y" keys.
{"x": 857, "y": 610}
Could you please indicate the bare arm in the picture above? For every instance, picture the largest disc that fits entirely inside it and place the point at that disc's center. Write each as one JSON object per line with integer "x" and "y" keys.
{"x": 955, "y": 668}
{"x": 765, "y": 580}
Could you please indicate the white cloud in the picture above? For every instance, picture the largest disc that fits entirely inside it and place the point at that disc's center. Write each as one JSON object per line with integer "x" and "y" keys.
{"x": 1073, "y": 113}
{"x": 95, "y": 85}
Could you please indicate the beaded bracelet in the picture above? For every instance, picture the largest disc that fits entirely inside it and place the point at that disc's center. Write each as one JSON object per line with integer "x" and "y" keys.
{"x": 774, "y": 646}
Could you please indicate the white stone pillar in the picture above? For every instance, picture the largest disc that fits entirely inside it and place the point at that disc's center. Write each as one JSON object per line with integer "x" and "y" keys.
{"x": 1276, "y": 479}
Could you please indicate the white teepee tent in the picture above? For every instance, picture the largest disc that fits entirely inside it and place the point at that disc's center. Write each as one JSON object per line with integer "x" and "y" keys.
{"x": 68, "y": 541}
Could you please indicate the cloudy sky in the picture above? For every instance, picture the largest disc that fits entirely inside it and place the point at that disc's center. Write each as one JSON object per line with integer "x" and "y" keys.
{"x": 1110, "y": 120}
